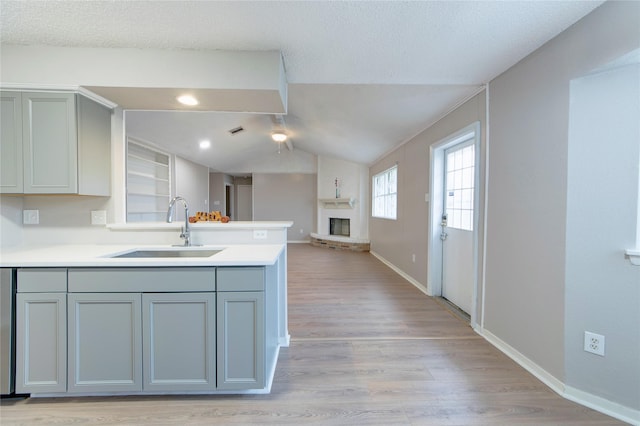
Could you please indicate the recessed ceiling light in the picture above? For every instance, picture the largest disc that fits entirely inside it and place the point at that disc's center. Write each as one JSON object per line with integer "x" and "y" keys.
{"x": 205, "y": 144}
{"x": 187, "y": 100}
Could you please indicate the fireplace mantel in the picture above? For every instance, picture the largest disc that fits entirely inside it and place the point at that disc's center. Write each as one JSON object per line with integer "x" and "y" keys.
{"x": 337, "y": 203}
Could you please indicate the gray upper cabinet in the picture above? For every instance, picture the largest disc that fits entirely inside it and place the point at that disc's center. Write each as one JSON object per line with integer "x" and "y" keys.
{"x": 11, "y": 163}
{"x": 55, "y": 143}
{"x": 49, "y": 143}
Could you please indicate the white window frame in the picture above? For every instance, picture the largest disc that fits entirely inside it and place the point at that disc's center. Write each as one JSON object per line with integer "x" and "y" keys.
{"x": 387, "y": 195}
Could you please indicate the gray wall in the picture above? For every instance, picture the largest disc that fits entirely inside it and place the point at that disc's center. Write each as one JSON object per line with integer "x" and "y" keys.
{"x": 397, "y": 240}
{"x": 290, "y": 196}
{"x": 604, "y": 157}
{"x": 540, "y": 272}
{"x": 192, "y": 183}
{"x": 217, "y": 193}
{"x": 527, "y": 198}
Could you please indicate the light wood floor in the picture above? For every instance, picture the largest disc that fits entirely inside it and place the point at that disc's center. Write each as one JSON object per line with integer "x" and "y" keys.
{"x": 367, "y": 348}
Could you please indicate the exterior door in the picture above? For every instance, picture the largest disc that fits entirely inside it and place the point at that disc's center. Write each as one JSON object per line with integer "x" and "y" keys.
{"x": 457, "y": 225}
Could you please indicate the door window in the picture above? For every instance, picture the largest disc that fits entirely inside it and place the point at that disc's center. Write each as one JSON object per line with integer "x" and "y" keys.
{"x": 459, "y": 184}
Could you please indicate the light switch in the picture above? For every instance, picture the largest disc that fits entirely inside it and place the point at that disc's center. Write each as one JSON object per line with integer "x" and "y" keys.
{"x": 31, "y": 217}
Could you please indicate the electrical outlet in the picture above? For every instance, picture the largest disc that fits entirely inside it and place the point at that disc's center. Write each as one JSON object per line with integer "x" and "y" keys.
{"x": 259, "y": 234}
{"x": 98, "y": 217}
{"x": 413, "y": 258}
{"x": 31, "y": 217}
{"x": 594, "y": 343}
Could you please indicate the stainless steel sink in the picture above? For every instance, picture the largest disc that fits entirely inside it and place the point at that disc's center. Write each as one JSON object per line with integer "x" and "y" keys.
{"x": 168, "y": 253}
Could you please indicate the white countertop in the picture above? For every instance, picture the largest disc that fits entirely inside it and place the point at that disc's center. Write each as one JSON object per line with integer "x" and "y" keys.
{"x": 177, "y": 224}
{"x": 98, "y": 256}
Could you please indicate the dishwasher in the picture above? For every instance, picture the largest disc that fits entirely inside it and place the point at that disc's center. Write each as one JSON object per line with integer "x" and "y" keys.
{"x": 7, "y": 331}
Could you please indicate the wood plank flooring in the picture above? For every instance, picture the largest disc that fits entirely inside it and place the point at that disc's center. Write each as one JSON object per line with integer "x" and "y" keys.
{"x": 367, "y": 348}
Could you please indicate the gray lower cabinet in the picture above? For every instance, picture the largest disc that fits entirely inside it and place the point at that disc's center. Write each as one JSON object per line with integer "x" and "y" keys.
{"x": 41, "y": 344}
{"x": 241, "y": 328}
{"x": 106, "y": 331}
{"x": 179, "y": 341}
{"x": 105, "y": 342}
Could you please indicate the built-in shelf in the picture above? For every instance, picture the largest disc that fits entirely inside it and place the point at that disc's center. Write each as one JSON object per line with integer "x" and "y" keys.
{"x": 337, "y": 203}
{"x": 148, "y": 182}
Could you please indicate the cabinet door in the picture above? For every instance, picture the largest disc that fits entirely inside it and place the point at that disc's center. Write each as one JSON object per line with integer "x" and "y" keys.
{"x": 41, "y": 342}
{"x": 241, "y": 344}
{"x": 105, "y": 342}
{"x": 11, "y": 181}
{"x": 179, "y": 341}
{"x": 94, "y": 148}
{"x": 50, "y": 143}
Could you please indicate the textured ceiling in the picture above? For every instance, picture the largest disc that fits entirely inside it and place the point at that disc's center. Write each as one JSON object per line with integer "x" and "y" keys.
{"x": 364, "y": 75}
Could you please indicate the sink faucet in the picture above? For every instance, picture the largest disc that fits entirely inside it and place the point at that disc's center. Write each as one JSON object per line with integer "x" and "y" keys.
{"x": 184, "y": 232}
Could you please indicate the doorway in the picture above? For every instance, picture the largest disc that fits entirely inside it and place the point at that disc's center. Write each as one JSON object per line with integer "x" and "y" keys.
{"x": 228, "y": 201}
{"x": 453, "y": 231}
{"x": 244, "y": 194}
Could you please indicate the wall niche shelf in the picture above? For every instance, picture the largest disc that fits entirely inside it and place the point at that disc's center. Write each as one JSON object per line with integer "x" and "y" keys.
{"x": 337, "y": 203}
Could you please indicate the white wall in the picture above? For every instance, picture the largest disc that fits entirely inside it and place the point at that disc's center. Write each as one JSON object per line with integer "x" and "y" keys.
{"x": 10, "y": 221}
{"x": 285, "y": 161}
{"x": 602, "y": 293}
{"x": 353, "y": 181}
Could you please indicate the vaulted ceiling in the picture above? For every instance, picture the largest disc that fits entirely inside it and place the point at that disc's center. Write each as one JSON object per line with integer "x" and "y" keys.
{"x": 364, "y": 76}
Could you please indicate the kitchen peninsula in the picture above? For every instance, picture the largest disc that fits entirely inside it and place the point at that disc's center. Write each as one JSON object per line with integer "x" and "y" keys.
{"x": 125, "y": 319}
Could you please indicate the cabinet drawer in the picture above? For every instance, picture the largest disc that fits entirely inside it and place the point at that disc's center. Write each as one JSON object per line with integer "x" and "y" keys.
{"x": 241, "y": 279}
{"x": 42, "y": 280}
{"x": 140, "y": 280}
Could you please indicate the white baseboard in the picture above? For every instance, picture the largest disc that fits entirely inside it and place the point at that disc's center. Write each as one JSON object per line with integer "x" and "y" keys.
{"x": 533, "y": 368}
{"x": 400, "y": 272}
{"x": 284, "y": 341}
{"x": 597, "y": 403}
{"x": 594, "y": 402}
{"x": 602, "y": 405}
{"x": 298, "y": 242}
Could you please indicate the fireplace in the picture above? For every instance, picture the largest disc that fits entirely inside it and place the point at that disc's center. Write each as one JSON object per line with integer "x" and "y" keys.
{"x": 338, "y": 226}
